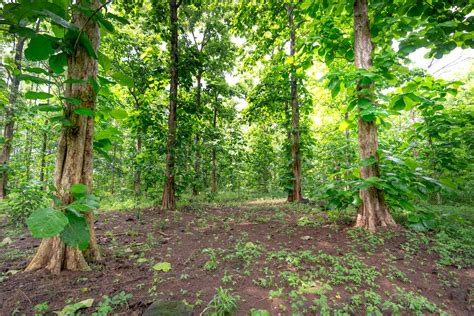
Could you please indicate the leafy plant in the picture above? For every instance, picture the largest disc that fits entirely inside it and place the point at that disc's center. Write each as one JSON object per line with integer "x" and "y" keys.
{"x": 67, "y": 221}
{"x": 24, "y": 201}
{"x": 222, "y": 304}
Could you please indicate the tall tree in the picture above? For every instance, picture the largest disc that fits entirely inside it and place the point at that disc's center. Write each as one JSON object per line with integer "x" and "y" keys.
{"x": 295, "y": 194}
{"x": 74, "y": 157}
{"x": 373, "y": 212}
{"x": 168, "y": 200}
{"x": 10, "y": 117}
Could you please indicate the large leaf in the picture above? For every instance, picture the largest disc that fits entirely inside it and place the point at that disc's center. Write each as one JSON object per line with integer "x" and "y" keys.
{"x": 123, "y": 79}
{"x": 76, "y": 233}
{"x": 33, "y": 79}
{"x": 87, "y": 44}
{"x": 162, "y": 266}
{"x": 58, "y": 62}
{"x": 84, "y": 112}
{"x": 58, "y": 20}
{"x": 46, "y": 222}
{"x": 71, "y": 309}
{"x": 38, "y": 95}
{"x": 78, "y": 189}
{"x": 119, "y": 114}
{"x": 39, "y": 48}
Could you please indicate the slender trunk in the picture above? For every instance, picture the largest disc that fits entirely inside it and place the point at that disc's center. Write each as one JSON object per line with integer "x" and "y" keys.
{"x": 214, "y": 162}
{"x": 296, "y": 194}
{"x": 10, "y": 118}
{"x": 137, "y": 177}
{"x": 114, "y": 158}
{"x": 168, "y": 201}
{"x": 74, "y": 157}
{"x": 373, "y": 212}
{"x": 29, "y": 150}
{"x": 197, "y": 160}
{"x": 44, "y": 147}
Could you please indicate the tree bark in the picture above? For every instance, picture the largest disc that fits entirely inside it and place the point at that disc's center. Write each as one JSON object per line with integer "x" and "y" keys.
{"x": 295, "y": 195}
{"x": 44, "y": 148}
{"x": 168, "y": 200}
{"x": 197, "y": 160}
{"x": 74, "y": 157}
{"x": 137, "y": 183}
{"x": 10, "y": 118}
{"x": 373, "y": 212}
{"x": 214, "y": 160}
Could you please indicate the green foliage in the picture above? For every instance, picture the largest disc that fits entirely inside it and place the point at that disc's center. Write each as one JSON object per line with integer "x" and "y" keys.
{"x": 455, "y": 248}
{"x": 24, "y": 201}
{"x": 223, "y": 303}
{"x": 107, "y": 304}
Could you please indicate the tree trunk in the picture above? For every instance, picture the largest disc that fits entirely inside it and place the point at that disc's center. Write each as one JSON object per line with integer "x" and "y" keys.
{"x": 74, "y": 157}
{"x": 168, "y": 201}
{"x": 373, "y": 212}
{"x": 197, "y": 161}
{"x": 10, "y": 119}
{"x": 295, "y": 195}
{"x": 137, "y": 178}
{"x": 44, "y": 147}
{"x": 114, "y": 158}
{"x": 214, "y": 162}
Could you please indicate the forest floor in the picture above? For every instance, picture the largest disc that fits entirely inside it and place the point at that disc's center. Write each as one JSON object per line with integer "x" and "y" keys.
{"x": 288, "y": 260}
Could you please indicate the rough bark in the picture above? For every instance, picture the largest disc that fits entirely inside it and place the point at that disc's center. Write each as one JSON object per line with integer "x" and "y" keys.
{"x": 373, "y": 212}
{"x": 74, "y": 156}
{"x": 295, "y": 195}
{"x": 10, "y": 118}
{"x": 214, "y": 158}
{"x": 168, "y": 200}
{"x": 197, "y": 160}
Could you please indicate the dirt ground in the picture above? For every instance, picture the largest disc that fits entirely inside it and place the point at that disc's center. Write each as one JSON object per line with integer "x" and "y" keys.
{"x": 283, "y": 260}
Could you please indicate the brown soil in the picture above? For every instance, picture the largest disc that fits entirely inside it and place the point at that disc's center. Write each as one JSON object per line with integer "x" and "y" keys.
{"x": 179, "y": 238}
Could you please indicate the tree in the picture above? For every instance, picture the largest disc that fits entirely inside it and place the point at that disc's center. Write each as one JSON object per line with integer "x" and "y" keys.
{"x": 74, "y": 157}
{"x": 10, "y": 117}
{"x": 295, "y": 195}
{"x": 373, "y": 212}
{"x": 168, "y": 200}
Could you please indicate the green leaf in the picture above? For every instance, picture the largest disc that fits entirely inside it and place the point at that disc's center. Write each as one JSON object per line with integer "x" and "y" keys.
{"x": 107, "y": 133}
{"x": 84, "y": 112}
{"x": 33, "y": 79}
{"x": 123, "y": 79}
{"x": 39, "y": 48}
{"x": 406, "y": 49}
{"x": 259, "y": 312}
{"x": 71, "y": 309}
{"x": 38, "y": 95}
{"x": 78, "y": 189}
{"x": 117, "y": 18}
{"x": 306, "y": 4}
{"x": 58, "y": 20}
{"x": 87, "y": 44}
{"x": 162, "y": 266}
{"x": 76, "y": 233}
{"x": 46, "y": 222}
{"x": 47, "y": 108}
{"x": 36, "y": 70}
{"x": 104, "y": 61}
{"x": 398, "y": 103}
{"x": 58, "y": 62}
{"x": 73, "y": 101}
{"x": 119, "y": 114}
